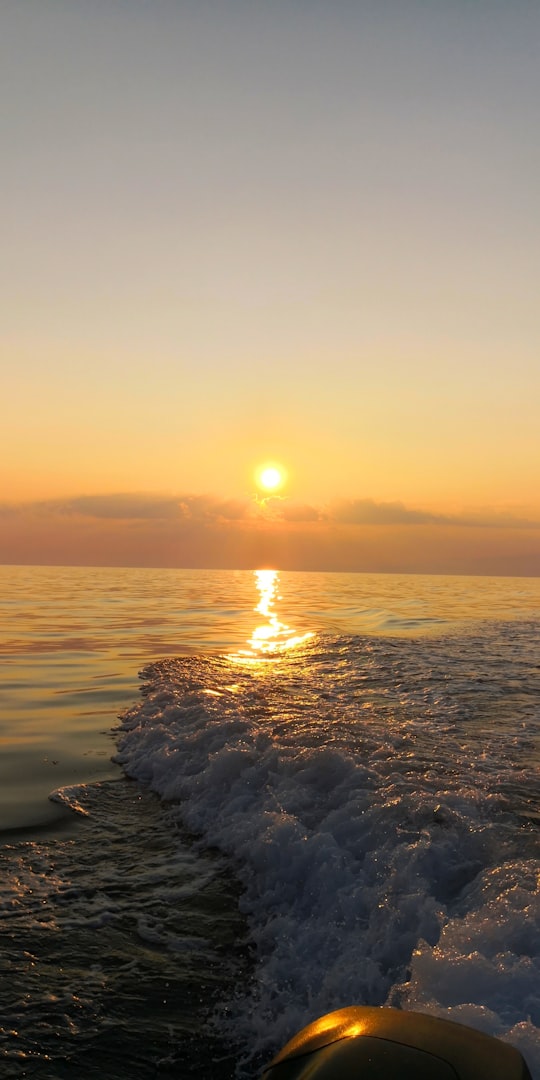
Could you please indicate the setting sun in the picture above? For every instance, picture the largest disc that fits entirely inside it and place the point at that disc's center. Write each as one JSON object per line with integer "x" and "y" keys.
{"x": 270, "y": 477}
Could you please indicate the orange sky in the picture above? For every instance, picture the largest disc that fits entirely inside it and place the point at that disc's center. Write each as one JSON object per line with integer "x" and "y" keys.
{"x": 238, "y": 232}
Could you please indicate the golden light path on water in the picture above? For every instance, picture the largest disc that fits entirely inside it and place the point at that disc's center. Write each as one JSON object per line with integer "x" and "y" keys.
{"x": 273, "y": 636}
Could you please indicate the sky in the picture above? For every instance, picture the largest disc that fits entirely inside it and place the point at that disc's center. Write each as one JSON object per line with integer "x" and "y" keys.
{"x": 270, "y": 231}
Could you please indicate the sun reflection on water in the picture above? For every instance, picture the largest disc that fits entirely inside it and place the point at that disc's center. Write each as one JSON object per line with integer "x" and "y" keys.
{"x": 272, "y": 636}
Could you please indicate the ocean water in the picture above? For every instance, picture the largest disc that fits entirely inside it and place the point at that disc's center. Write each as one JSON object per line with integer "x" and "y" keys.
{"x": 325, "y": 791}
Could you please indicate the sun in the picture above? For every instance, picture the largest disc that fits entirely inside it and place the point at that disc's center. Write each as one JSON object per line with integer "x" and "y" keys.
{"x": 270, "y": 477}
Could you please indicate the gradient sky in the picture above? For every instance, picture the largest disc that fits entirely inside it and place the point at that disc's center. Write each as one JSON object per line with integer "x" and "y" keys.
{"x": 297, "y": 231}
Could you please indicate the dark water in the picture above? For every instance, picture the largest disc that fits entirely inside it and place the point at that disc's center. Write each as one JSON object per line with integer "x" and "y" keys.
{"x": 115, "y": 944}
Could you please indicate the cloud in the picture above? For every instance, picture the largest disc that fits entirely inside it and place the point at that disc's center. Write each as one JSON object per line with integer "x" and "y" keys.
{"x": 119, "y": 507}
{"x": 301, "y": 512}
{"x": 208, "y": 508}
{"x": 368, "y": 512}
{"x": 127, "y": 529}
{"x": 211, "y": 511}
{"x": 493, "y": 519}
{"x": 276, "y": 508}
{"x": 233, "y": 509}
{"x": 134, "y": 507}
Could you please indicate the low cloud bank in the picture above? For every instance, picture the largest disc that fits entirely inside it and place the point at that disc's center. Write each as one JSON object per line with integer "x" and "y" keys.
{"x": 142, "y": 507}
{"x": 368, "y": 512}
{"x": 127, "y": 529}
{"x": 207, "y": 508}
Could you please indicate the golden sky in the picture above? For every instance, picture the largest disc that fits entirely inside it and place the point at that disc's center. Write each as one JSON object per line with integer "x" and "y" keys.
{"x": 239, "y": 232}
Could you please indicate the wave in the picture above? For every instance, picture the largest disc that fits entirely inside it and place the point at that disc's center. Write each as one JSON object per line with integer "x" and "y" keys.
{"x": 376, "y": 799}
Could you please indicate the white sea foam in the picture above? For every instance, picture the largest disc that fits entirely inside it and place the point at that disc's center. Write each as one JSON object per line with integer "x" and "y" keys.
{"x": 368, "y": 794}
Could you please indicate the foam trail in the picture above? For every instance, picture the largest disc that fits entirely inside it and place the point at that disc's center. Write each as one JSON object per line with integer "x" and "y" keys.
{"x": 370, "y": 811}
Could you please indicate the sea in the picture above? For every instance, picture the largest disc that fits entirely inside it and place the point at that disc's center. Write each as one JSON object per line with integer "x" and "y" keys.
{"x": 231, "y": 802}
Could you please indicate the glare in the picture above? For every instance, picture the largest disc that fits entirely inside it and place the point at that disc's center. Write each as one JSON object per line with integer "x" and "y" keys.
{"x": 270, "y": 477}
{"x": 272, "y": 637}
